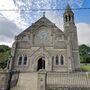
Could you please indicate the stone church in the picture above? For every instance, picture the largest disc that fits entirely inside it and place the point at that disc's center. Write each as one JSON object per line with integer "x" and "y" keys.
{"x": 44, "y": 46}
{"x": 46, "y": 56}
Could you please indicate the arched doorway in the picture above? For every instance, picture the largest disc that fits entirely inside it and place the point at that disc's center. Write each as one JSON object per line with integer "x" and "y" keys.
{"x": 40, "y": 64}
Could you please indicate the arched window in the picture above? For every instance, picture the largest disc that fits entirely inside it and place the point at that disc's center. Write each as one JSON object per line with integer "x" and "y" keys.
{"x": 66, "y": 18}
{"x": 20, "y": 60}
{"x": 69, "y": 17}
{"x": 57, "y": 60}
{"x": 25, "y": 60}
{"x": 62, "y": 60}
{"x": 52, "y": 60}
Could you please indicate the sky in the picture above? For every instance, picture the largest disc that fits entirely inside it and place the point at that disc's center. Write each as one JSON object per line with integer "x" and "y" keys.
{"x": 13, "y": 20}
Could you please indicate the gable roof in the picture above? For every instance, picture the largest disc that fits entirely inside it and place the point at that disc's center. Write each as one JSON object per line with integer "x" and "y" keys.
{"x": 42, "y": 21}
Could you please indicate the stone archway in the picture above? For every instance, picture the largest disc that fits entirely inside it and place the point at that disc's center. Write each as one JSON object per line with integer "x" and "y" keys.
{"x": 37, "y": 56}
{"x": 40, "y": 64}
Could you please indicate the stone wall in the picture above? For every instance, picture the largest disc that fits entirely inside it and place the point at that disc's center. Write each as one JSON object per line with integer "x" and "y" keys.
{"x": 3, "y": 79}
{"x": 45, "y": 80}
{"x": 35, "y": 53}
{"x": 26, "y": 81}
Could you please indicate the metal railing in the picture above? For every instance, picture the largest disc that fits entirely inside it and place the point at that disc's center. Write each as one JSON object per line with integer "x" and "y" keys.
{"x": 68, "y": 81}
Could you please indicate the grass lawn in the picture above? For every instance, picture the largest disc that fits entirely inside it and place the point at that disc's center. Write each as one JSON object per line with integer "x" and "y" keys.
{"x": 85, "y": 67}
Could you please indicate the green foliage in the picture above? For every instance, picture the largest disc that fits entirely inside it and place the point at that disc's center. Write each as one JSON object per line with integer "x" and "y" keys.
{"x": 4, "y": 48}
{"x": 4, "y": 55}
{"x": 84, "y": 53}
{"x": 85, "y": 67}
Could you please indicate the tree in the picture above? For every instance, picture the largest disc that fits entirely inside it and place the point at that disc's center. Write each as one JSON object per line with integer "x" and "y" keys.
{"x": 84, "y": 53}
{"x": 4, "y": 55}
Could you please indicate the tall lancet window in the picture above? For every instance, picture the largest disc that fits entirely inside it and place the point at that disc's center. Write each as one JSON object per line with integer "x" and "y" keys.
{"x": 66, "y": 19}
{"x": 52, "y": 60}
{"x": 25, "y": 60}
{"x": 69, "y": 17}
{"x": 20, "y": 60}
{"x": 62, "y": 60}
{"x": 57, "y": 60}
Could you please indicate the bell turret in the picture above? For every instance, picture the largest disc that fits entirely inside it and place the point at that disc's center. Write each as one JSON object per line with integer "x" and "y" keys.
{"x": 70, "y": 31}
{"x": 68, "y": 16}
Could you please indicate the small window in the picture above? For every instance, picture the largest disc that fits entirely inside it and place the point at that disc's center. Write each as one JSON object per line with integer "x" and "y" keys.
{"x": 25, "y": 60}
{"x": 62, "y": 60}
{"x": 52, "y": 60}
{"x": 69, "y": 17}
{"x": 66, "y": 18}
{"x": 20, "y": 60}
{"x": 57, "y": 60}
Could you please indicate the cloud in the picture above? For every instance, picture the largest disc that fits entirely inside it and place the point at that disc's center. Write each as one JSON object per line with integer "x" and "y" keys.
{"x": 11, "y": 22}
{"x": 55, "y": 18}
{"x": 83, "y": 33}
{"x": 9, "y": 11}
{"x": 8, "y": 30}
{"x": 83, "y": 29}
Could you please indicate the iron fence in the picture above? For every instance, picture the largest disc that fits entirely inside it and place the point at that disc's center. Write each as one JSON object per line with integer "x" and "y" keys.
{"x": 68, "y": 81}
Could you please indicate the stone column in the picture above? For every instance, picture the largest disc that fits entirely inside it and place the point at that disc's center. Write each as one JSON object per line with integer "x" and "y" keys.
{"x": 41, "y": 79}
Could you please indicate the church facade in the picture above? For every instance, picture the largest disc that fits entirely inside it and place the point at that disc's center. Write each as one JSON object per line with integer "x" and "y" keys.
{"x": 44, "y": 46}
{"x": 44, "y": 57}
